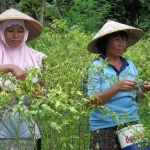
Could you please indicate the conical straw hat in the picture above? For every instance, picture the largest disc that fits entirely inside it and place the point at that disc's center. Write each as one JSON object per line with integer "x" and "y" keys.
{"x": 134, "y": 34}
{"x": 33, "y": 26}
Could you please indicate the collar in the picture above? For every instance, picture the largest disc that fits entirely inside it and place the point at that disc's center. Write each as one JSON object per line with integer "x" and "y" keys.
{"x": 123, "y": 60}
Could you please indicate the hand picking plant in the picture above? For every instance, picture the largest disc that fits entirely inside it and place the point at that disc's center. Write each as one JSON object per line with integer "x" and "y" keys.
{"x": 16, "y": 97}
{"x": 98, "y": 73}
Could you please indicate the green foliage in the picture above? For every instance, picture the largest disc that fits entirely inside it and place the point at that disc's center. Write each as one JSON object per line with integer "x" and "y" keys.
{"x": 65, "y": 48}
{"x": 22, "y": 6}
{"x": 50, "y": 11}
{"x": 142, "y": 57}
{"x": 91, "y": 14}
{"x": 60, "y": 108}
{"x": 139, "y": 54}
{"x": 66, "y": 64}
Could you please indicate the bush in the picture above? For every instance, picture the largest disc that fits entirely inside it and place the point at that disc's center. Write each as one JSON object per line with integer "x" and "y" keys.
{"x": 60, "y": 108}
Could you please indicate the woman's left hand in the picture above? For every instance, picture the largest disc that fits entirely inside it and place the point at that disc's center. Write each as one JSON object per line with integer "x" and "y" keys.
{"x": 145, "y": 86}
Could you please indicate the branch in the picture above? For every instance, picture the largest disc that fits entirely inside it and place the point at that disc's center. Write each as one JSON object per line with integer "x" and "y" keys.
{"x": 42, "y": 11}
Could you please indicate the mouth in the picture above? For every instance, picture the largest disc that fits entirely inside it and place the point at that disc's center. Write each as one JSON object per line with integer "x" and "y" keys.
{"x": 15, "y": 41}
{"x": 120, "y": 50}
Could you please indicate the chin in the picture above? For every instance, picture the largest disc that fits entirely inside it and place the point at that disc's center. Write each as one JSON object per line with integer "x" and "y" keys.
{"x": 14, "y": 46}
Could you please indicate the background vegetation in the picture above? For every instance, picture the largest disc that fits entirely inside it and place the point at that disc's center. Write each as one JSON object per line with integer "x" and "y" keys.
{"x": 68, "y": 26}
{"x": 91, "y": 14}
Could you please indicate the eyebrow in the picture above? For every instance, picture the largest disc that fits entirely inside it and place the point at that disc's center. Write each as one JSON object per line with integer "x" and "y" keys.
{"x": 12, "y": 27}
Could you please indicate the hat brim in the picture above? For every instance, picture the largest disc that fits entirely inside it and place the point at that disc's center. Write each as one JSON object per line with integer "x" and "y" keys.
{"x": 134, "y": 35}
{"x": 33, "y": 26}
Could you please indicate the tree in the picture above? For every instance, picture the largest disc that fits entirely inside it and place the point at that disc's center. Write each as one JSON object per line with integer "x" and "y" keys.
{"x": 42, "y": 11}
{"x": 90, "y": 14}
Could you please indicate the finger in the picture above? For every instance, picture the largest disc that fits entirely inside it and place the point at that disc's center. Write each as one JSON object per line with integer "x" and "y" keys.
{"x": 130, "y": 84}
{"x": 145, "y": 87}
{"x": 145, "y": 82}
{"x": 21, "y": 77}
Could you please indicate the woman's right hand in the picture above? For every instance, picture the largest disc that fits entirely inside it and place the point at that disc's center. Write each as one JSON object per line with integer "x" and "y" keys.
{"x": 18, "y": 72}
{"x": 15, "y": 70}
{"x": 106, "y": 95}
{"x": 125, "y": 85}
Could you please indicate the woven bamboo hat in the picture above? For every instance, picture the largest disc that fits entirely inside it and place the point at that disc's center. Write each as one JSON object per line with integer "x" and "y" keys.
{"x": 33, "y": 26}
{"x": 134, "y": 34}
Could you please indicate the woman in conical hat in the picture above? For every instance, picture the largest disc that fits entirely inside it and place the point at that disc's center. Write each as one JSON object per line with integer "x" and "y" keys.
{"x": 111, "y": 81}
{"x": 16, "y": 28}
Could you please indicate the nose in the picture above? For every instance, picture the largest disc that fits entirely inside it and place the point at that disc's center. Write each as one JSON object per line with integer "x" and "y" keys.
{"x": 122, "y": 42}
{"x": 15, "y": 34}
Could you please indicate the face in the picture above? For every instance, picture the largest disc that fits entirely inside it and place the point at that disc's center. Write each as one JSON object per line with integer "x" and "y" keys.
{"x": 14, "y": 35}
{"x": 116, "y": 45}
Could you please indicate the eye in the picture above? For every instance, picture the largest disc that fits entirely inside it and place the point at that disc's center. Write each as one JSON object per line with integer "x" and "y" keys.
{"x": 117, "y": 39}
{"x": 9, "y": 29}
{"x": 21, "y": 31}
{"x": 124, "y": 39}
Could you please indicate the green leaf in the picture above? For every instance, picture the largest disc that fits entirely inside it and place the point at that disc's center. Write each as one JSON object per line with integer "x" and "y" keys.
{"x": 73, "y": 110}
